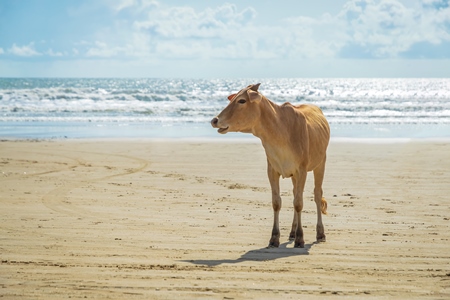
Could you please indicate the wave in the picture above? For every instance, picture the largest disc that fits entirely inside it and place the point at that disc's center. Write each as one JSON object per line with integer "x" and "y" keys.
{"x": 344, "y": 101}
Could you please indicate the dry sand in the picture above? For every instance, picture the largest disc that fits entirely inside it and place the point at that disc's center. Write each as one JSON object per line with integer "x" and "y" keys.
{"x": 165, "y": 220}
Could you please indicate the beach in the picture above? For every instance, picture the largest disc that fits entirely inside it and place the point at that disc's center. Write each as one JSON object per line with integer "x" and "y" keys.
{"x": 191, "y": 219}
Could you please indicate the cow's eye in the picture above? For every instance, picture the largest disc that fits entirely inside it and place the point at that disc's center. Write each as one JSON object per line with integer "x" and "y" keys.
{"x": 242, "y": 101}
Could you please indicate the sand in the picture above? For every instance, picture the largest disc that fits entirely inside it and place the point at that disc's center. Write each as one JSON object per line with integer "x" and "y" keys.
{"x": 152, "y": 219}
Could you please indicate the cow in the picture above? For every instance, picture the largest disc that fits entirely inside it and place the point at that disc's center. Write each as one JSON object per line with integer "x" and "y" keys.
{"x": 295, "y": 140}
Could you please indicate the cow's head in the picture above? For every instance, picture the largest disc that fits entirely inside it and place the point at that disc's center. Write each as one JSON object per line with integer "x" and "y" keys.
{"x": 242, "y": 112}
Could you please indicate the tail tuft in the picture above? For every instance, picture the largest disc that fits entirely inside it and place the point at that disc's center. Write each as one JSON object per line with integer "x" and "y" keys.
{"x": 324, "y": 206}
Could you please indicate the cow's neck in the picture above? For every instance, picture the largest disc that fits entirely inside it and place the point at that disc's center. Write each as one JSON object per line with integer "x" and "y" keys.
{"x": 268, "y": 129}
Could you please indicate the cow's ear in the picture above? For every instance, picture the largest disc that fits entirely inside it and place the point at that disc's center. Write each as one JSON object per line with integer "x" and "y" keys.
{"x": 254, "y": 87}
{"x": 253, "y": 96}
{"x": 231, "y": 97}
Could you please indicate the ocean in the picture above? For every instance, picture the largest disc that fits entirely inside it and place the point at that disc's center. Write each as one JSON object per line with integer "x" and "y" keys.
{"x": 360, "y": 108}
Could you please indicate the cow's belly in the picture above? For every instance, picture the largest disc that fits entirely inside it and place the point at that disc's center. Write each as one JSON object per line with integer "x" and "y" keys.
{"x": 285, "y": 167}
{"x": 286, "y": 171}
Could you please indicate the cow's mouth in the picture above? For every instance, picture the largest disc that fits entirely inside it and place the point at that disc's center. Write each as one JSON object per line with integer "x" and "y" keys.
{"x": 222, "y": 130}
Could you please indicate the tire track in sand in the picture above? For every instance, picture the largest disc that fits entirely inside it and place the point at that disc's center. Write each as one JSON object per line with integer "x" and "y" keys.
{"x": 66, "y": 166}
{"x": 55, "y": 199}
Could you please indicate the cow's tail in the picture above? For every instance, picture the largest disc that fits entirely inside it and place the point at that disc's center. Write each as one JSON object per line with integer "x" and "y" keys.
{"x": 324, "y": 206}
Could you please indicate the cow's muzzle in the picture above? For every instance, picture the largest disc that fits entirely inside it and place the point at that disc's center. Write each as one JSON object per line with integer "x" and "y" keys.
{"x": 215, "y": 124}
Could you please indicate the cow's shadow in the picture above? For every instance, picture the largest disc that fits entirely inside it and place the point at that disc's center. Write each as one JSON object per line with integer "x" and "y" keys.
{"x": 263, "y": 254}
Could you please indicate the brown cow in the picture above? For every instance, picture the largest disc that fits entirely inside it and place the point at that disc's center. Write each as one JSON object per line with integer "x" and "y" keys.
{"x": 295, "y": 139}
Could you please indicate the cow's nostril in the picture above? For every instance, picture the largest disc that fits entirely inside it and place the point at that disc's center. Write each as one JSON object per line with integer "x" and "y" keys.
{"x": 214, "y": 121}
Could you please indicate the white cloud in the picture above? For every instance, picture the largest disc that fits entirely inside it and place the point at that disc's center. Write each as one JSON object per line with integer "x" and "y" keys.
{"x": 135, "y": 47}
{"x": 123, "y": 4}
{"x": 2, "y": 51}
{"x": 381, "y": 29}
{"x": 24, "y": 50}
{"x": 136, "y": 5}
{"x": 177, "y": 33}
{"x": 29, "y": 51}
{"x": 50, "y": 52}
{"x": 186, "y": 22}
{"x": 101, "y": 49}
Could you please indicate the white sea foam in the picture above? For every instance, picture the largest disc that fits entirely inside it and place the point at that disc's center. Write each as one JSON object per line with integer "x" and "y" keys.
{"x": 196, "y": 101}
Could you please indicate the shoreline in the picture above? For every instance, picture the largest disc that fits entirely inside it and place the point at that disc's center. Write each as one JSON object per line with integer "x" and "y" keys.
{"x": 220, "y": 139}
{"x": 86, "y": 130}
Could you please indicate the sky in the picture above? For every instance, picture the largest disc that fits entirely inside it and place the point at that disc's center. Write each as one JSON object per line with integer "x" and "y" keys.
{"x": 225, "y": 39}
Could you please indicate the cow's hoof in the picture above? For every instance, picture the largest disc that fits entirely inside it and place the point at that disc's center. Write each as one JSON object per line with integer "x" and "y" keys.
{"x": 321, "y": 238}
{"x": 299, "y": 245}
{"x": 292, "y": 236}
{"x": 274, "y": 244}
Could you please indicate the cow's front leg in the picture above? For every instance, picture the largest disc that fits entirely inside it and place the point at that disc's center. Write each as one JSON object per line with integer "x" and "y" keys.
{"x": 299, "y": 184}
{"x": 274, "y": 179}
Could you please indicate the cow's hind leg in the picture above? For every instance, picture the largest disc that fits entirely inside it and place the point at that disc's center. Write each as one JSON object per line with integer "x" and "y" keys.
{"x": 294, "y": 226}
{"x": 274, "y": 179}
{"x": 299, "y": 184}
{"x": 321, "y": 203}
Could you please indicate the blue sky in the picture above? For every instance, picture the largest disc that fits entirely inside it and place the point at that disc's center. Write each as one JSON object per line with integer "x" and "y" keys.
{"x": 212, "y": 38}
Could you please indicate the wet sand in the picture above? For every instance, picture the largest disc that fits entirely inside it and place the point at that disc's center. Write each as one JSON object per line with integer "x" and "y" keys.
{"x": 154, "y": 219}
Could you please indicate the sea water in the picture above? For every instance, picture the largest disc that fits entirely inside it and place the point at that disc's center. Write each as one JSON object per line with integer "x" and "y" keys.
{"x": 176, "y": 108}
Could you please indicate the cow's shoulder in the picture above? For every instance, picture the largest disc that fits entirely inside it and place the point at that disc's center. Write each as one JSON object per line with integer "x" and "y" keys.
{"x": 292, "y": 114}
{"x": 295, "y": 124}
